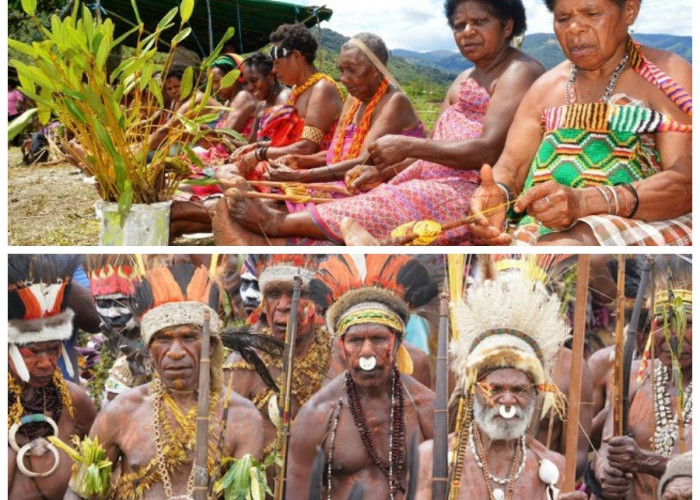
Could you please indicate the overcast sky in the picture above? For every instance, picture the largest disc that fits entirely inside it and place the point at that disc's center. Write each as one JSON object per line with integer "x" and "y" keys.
{"x": 420, "y": 24}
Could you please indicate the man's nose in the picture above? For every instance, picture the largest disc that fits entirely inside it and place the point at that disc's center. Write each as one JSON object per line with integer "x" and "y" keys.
{"x": 176, "y": 351}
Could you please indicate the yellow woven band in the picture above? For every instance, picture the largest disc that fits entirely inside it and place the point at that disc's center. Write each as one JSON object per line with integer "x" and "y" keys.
{"x": 375, "y": 316}
{"x": 662, "y": 301}
{"x": 313, "y": 134}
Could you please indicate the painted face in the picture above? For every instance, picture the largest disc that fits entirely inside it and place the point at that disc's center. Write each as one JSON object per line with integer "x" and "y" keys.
{"x": 172, "y": 88}
{"x": 175, "y": 352}
{"x": 286, "y": 68}
{"x": 663, "y": 349}
{"x": 258, "y": 84}
{"x": 504, "y": 402}
{"x": 369, "y": 351}
{"x": 115, "y": 312}
{"x": 357, "y": 73}
{"x": 479, "y": 35}
{"x": 41, "y": 359}
{"x": 250, "y": 293}
{"x": 277, "y": 303}
{"x": 592, "y": 32}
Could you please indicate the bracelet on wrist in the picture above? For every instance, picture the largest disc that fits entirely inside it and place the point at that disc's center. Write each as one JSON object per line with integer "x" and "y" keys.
{"x": 604, "y": 193}
{"x": 635, "y": 195}
{"x": 507, "y": 191}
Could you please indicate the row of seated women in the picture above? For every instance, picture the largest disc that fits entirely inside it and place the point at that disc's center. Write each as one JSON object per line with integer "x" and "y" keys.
{"x": 596, "y": 151}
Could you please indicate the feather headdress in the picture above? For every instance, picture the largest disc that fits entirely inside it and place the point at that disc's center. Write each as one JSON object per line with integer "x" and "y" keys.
{"x": 348, "y": 283}
{"x": 168, "y": 296}
{"x": 38, "y": 288}
{"x": 673, "y": 282}
{"x": 510, "y": 321}
{"x": 112, "y": 274}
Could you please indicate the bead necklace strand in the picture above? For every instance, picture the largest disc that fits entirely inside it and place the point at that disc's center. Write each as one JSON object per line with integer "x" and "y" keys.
{"x": 571, "y": 81}
{"x": 667, "y": 425}
{"x": 520, "y": 455}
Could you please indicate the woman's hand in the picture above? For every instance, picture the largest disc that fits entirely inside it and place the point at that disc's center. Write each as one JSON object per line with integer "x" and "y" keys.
{"x": 283, "y": 173}
{"x": 362, "y": 178}
{"x": 246, "y": 163}
{"x": 244, "y": 150}
{"x": 227, "y": 172}
{"x": 555, "y": 206}
{"x": 490, "y": 220}
{"x": 388, "y": 150}
{"x": 295, "y": 161}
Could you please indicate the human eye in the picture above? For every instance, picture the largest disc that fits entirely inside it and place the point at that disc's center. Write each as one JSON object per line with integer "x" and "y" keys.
{"x": 457, "y": 27}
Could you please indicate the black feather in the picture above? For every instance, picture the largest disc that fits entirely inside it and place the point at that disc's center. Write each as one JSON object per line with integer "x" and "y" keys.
{"x": 419, "y": 284}
{"x": 246, "y": 344}
{"x": 317, "y": 468}
{"x": 357, "y": 492}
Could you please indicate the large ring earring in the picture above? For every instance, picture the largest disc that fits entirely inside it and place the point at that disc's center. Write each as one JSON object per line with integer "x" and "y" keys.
{"x": 30, "y": 447}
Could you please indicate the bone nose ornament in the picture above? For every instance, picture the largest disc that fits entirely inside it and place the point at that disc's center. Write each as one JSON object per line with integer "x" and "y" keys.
{"x": 507, "y": 412}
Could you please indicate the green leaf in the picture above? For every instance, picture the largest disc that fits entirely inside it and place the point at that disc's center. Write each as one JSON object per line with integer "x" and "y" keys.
{"x": 230, "y": 78}
{"x": 210, "y": 59}
{"x": 29, "y": 6}
{"x": 136, "y": 12}
{"x": 75, "y": 110}
{"x": 20, "y": 123}
{"x": 167, "y": 19}
{"x": 156, "y": 89}
{"x": 192, "y": 156}
{"x": 119, "y": 40}
{"x": 186, "y": 8}
{"x": 22, "y": 47}
{"x": 186, "y": 83}
{"x": 125, "y": 199}
{"x": 180, "y": 37}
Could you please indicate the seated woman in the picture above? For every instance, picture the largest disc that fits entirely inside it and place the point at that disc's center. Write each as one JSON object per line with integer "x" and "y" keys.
{"x": 306, "y": 124}
{"x": 261, "y": 82}
{"x": 471, "y": 130}
{"x": 377, "y": 109}
{"x": 600, "y": 150}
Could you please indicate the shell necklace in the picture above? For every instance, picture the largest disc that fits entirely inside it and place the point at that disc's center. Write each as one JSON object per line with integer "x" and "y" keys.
{"x": 571, "y": 81}
{"x": 666, "y": 422}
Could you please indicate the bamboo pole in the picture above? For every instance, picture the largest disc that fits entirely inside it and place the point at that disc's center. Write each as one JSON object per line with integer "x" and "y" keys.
{"x": 574, "y": 407}
{"x": 201, "y": 474}
{"x": 286, "y": 390}
{"x": 440, "y": 430}
{"x": 619, "y": 346}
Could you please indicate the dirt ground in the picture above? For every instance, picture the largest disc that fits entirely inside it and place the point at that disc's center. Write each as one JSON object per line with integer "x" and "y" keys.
{"x": 51, "y": 205}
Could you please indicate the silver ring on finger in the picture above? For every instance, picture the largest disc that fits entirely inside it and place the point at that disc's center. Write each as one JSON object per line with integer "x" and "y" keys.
{"x": 549, "y": 202}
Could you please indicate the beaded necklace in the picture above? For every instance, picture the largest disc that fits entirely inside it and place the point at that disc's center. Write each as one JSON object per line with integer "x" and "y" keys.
{"x": 571, "y": 81}
{"x": 394, "y": 470}
{"x": 520, "y": 455}
{"x": 362, "y": 128}
{"x": 297, "y": 90}
{"x": 48, "y": 400}
{"x": 666, "y": 423}
{"x": 173, "y": 446}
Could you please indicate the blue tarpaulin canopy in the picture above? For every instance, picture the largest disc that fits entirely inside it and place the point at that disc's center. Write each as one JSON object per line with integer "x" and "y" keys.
{"x": 253, "y": 20}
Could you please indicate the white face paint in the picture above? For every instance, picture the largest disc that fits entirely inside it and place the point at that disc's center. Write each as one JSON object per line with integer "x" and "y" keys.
{"x": 368, "y": 363}
{"x": 507, "y": 412}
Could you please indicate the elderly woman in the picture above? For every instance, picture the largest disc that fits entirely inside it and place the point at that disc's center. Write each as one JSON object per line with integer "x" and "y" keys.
{"x": 472, "y": 128}
{"x": 377, "y": 109}
{"x": 307, "y": 123}
{"x": 600, "y": 148}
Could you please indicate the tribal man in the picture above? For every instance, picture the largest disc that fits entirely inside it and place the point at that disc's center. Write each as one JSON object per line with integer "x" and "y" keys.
{"x": 510, "y": 330}
{"x": 629, "y": 466}
{"x": 149, "y": 431}
{"x": 41, "y": 402}
{"x": 367, "y": 303}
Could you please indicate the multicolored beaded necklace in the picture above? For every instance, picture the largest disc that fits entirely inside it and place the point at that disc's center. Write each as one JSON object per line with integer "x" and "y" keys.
{"x": 362, "y": 129}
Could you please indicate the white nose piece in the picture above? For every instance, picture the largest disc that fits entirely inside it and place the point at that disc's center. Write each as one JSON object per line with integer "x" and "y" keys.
{"x": 368, "y": 363}
{"x": 507, "y": 412}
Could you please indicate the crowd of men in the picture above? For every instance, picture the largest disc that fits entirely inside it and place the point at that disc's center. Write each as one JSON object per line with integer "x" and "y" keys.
{"x": 290, "y": 376}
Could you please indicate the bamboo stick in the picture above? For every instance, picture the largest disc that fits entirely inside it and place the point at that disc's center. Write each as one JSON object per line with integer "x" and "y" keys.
{"x": 619, "y": 346}
{"x": 574, "y": 407}
{"x": 201, "y": 449}
{"x": 440, "y": 430}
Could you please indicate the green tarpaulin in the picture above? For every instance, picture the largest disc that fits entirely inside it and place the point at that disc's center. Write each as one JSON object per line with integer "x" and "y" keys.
{"x": 253, "y": 20}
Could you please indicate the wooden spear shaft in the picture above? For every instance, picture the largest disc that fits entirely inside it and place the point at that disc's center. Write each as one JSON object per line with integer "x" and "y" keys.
{"x": 286, "y": 390}
{"x": 574, "y": 407}
{"x": 440, "y": 431}
{"x": 201, "y": 474}
{"x": 619, "y": 348}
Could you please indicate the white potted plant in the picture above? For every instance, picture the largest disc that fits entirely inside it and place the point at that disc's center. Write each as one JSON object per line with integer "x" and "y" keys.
{"x": 67, "y": 78}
